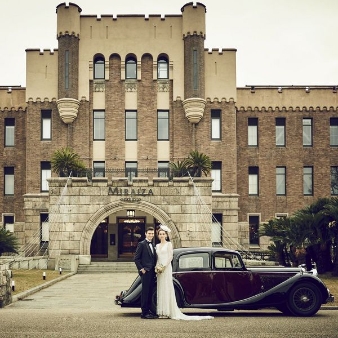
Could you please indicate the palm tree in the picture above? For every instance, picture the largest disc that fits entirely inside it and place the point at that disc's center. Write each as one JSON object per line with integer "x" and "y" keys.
{"x": 179, "y": 169}
{"x": 198, "y": 163}
{"x": 8, "y": 242}
{"x": 65, "y": 161}
{"x": 331, "y": 209}
{"x": 320, "y": 237}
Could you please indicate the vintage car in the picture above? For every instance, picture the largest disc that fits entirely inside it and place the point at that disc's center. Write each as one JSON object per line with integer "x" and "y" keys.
{"x": 216, "y": 278}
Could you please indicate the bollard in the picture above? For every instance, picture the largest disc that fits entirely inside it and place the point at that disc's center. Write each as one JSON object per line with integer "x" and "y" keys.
{"x": 44, "y": 275}
{"x": 13, "y": 285}
{"x": 60, "y": 270}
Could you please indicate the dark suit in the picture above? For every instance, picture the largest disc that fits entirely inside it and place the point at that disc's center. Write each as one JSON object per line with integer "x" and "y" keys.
{"x": 145, "y": 259}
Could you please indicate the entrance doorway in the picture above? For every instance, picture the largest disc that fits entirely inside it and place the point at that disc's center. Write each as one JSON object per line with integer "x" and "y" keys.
{"x": 131, "y": 232}
{"x": 99, "y": 243}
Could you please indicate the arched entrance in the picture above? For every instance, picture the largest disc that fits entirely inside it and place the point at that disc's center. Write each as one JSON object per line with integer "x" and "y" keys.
{"x": 127, "y": 234}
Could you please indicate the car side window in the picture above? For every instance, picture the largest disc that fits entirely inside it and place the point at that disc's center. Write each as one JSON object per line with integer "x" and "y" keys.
{"x": 226, "y": 261}
{"x": 194, "y": 261}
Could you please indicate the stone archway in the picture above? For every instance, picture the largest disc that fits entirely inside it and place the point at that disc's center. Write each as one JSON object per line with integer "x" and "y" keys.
{"x": 116, "y": 206}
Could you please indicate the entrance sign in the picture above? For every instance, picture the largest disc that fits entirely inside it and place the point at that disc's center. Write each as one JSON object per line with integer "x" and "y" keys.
{"x": 130, "y": 191}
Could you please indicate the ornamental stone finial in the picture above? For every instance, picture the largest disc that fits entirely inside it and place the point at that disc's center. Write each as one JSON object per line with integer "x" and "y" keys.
{"x": 68, "y": 109}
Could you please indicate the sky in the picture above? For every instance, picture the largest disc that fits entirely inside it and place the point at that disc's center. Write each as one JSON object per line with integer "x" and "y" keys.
{"x": 278, "y": 42}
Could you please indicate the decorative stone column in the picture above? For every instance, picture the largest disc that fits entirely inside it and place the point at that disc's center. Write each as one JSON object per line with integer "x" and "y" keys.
{"x": 68, "y": 109}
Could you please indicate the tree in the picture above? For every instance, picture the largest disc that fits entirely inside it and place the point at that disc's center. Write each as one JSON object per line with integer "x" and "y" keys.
{"x": 65, "y": 162}
{"x": 319, "y": 240}
{"x": 198, "y": 164}
{"x": 8, "y": 242}
{"x": 179, "y": 169}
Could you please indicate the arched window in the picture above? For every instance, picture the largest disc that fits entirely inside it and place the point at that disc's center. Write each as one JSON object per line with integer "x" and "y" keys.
{"x": 131, "y": 69}
{"x": 162, "y": 68}
{"x": 99, "y": 67}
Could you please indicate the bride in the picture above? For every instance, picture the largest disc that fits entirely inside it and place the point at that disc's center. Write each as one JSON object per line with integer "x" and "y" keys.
{"x": 166, "y": 300}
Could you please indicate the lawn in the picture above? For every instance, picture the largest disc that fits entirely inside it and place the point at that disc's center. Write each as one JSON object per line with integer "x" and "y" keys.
{"x": 28, "y": 279}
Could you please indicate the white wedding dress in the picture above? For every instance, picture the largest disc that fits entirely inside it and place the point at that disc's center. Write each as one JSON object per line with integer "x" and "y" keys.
{"x": 166, "y": 300}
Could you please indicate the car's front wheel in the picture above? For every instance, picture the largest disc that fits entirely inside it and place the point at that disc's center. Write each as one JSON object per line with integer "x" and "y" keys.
{"x": 304, "y": 300}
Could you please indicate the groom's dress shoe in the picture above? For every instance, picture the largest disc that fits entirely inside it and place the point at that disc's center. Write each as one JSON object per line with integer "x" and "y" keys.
{"x": 147, "y": 316}
{"x": 153, "y": 314}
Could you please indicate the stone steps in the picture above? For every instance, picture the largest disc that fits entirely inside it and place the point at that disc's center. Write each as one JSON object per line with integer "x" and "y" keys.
{"x": 107, "y": 267}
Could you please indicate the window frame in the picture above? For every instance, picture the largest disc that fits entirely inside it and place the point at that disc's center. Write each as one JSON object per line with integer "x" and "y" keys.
{"x": 9, "y": 137}
{"x": 217, "y": 229}
{"x": 254, "y": 239}
{"x": 99, "y": 67}
{"x": 334, "y": 131}
{"x": 252, "y": 131}
{"x": 131, "y": 67}
{"x": 162, "y": 129}
{"x": 281, "y": 180}
{"x": 216, "y": 170}
{"x": 8, "y": 221}
{"x": 44, "y": 228}
{"x": 130, "y": 170}
{"x": 9, "y": 181}
{"x": 46, "y": 125}
{"x": 99, "y": 125}
{"x": 99, "y": 167}
{"x": 45, "y": 173}
{"x": 162, "y": 67}
{"x": 307, "y": 181}
{"x": 334, "y": 180}
{"x": 163, "y": 169}
{"x": 280, "y": 131}
{"x": 253, "y": 173}
{"x": 307, "y": 132}
{"x": 130, "y": 128}
{"x": 216, "y": 124}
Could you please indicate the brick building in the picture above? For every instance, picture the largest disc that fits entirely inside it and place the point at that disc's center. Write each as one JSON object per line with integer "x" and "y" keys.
{"x": 130, "y": 94}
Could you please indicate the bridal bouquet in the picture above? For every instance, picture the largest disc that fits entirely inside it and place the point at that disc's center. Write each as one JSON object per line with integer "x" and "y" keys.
{"x": 159, "y": 268}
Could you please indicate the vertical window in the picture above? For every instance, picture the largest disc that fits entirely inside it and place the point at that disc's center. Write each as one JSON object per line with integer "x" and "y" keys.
{"x": 131, "y": 170}
{"x": 99, "y": 168}
{"x": 280, "y": 181}
{"x": 99, "y": 67}
{"x": 9, "y": 181}
{"x": 44, "y": 228}
{"x": 334, "y": 131}
{"x": 162, "y": 125}
{"x": 9, "y": 222}
{"x": 216, "y": 230}
{"x": 195, "y": 69}
{"x": 307, "y": 132}
{"x": 46, "y": 125}
{"x": 131, "y": 125}
{"x": 163, "y": 169}
{"x": 280, "y": 132}
{"x": 9, "y": 132}
{"x": 334, "y": 180}
{"x": 308, "y": 180}
{"x": 99, "y": 125}
{"x": 216, "y": 175}
{"x": 162, "y": 68}
{"x": 253, "y": 131}
{"x": 253, "y": 230}
{"x": 67, "y": 69}
{"x": 215, "y": 124}
{"x": 46, "y": 172}
{"x": 253, "y": 180}
{"x": 131, "y": 69}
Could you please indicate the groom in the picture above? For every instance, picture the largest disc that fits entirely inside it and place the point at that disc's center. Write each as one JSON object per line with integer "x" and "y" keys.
{"x": 145, "y": 260}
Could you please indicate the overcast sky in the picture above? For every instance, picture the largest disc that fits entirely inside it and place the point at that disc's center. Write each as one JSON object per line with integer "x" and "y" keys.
{"x": 278, "y": 42}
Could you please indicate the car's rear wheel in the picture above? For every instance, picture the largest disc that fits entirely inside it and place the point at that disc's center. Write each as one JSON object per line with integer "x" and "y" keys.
{"x": 304, "y": 300}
